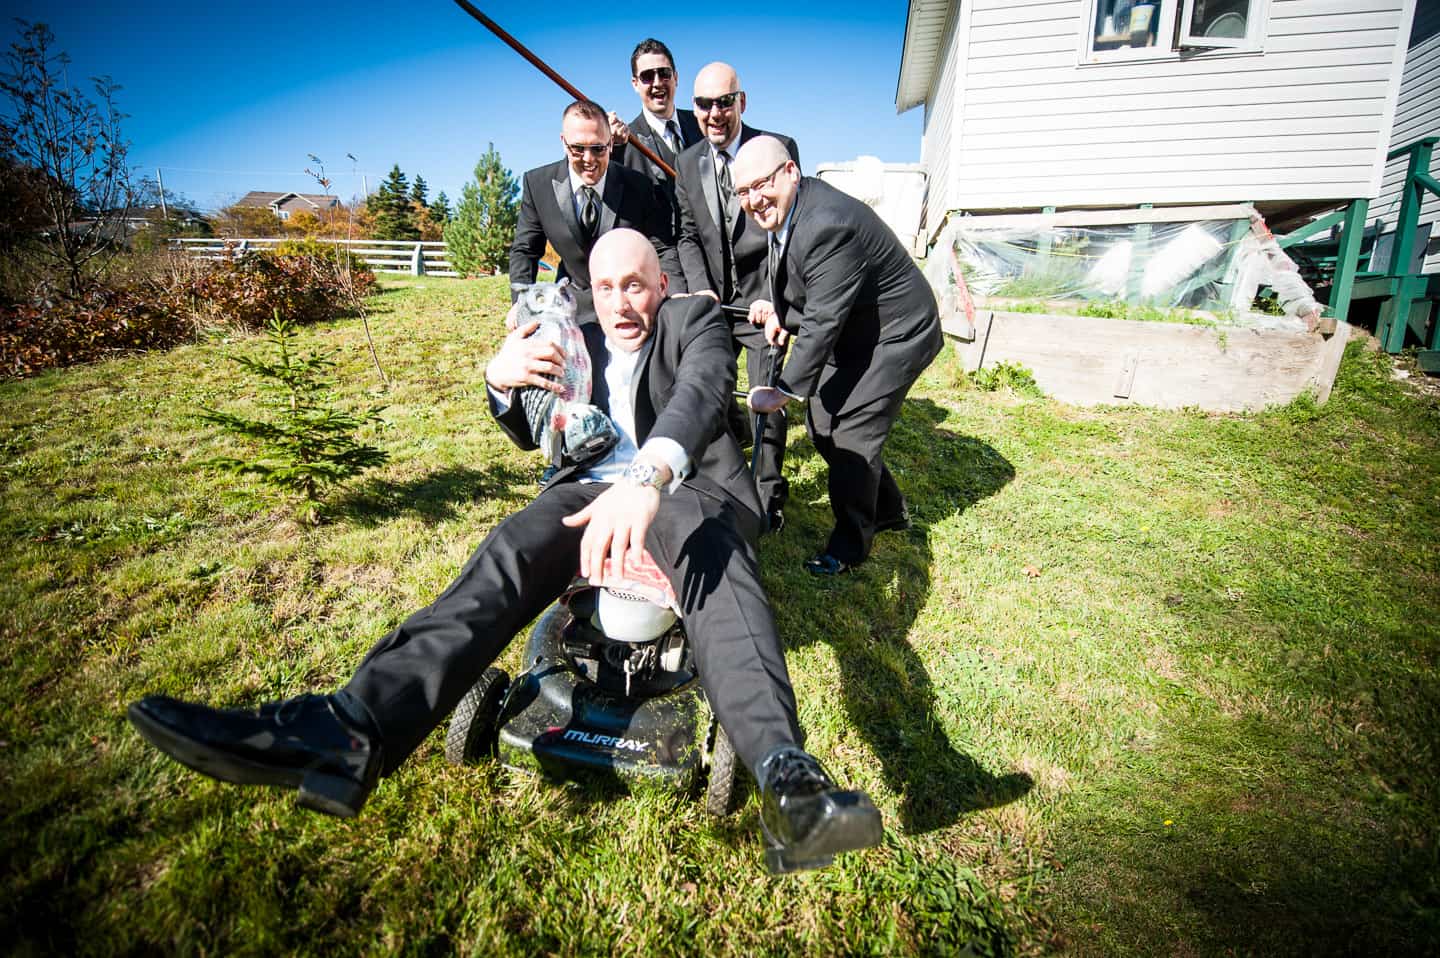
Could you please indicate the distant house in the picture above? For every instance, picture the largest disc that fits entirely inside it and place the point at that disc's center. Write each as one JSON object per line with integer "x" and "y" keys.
{"x": 1287, "y": 104}
{"x": 284, "y": 204}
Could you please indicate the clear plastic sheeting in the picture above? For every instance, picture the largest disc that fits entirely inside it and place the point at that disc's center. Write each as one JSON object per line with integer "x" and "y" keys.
{"x": 1212, "y": 265}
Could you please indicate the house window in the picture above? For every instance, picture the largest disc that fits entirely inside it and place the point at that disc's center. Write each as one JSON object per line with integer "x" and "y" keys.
{"x": 1226, "y": 24}
{"x": 283, "y": 214}
{"x": 1163, "y": 29}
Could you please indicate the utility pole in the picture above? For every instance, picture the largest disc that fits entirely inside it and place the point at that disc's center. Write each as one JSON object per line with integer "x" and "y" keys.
{"x": 160, "y": 180}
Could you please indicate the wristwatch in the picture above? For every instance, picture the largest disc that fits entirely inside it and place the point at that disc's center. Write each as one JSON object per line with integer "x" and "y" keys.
{"x": 643, "y": 474}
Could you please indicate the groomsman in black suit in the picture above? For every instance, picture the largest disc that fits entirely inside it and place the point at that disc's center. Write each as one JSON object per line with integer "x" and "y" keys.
{"x": 723, "y": 255}
{"x": 573, "y": 202}
{"x": 670, "y": 486}
{"x": 661, "y": 126}
{"x": 866, "y": 326}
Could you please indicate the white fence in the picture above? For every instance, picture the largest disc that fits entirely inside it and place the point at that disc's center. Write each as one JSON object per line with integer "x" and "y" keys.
{"x": 383, "y": 256}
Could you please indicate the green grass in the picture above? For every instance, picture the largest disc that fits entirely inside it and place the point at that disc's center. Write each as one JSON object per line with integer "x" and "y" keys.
{"x": 1138, "y": 682}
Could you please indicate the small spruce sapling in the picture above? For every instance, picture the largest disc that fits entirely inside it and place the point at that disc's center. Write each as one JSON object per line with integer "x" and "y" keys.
{"x": 308, "y": 444}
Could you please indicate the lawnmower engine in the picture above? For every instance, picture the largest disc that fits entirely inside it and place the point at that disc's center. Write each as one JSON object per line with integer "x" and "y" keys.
{"x": 610, "y": 687}
{"x": 624, "y": 642}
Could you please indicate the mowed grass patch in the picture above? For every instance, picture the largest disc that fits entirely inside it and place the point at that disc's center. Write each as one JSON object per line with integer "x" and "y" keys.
{"x": 1136, "y": 681}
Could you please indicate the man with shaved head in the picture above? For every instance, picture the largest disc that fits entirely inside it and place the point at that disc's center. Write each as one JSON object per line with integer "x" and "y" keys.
{"x": 721, "y": 254}
{"x": 866, "y": 326}
{"x": 673, "y": 484}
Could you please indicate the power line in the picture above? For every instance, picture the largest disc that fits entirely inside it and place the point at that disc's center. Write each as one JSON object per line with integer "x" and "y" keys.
{"x": 184, "y": 169}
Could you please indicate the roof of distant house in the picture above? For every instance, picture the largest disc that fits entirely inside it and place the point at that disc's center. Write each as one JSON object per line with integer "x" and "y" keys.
{"x": 260, "y": 198}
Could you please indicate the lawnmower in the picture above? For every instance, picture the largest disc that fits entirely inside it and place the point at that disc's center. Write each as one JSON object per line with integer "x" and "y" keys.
{"x": 610, "y": 686}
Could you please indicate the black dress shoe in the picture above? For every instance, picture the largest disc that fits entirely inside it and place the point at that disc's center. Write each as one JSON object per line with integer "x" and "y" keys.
{"x": 896, "y": 524}
{"x": 303, "y": 743}
{"x": 775, "y": 520}
{"x": 807, "y": 821}
{"x": 825, "y": 564}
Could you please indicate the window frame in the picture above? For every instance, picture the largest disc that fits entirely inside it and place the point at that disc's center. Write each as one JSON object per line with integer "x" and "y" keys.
{"x": 1257, "y": 16}
{"x": 1172, "y": 36}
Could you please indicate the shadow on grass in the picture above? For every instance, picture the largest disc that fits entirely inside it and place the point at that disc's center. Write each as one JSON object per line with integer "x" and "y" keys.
{"x": 888, "y": 694}
{"x": 435, "y": 497}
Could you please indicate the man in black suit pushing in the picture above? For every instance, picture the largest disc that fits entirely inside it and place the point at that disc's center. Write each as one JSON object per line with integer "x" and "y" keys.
{"x": 675, "y": 484}
{"x": 866, "y": 326}
{"x": 723, "y": 255}
{"x": 573, "y": 202}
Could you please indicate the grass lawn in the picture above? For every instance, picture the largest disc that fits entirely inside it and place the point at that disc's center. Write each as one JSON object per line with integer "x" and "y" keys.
{"x": 1137, "y": 682}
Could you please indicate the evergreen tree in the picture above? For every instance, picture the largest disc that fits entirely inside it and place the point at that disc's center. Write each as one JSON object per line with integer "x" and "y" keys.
{"x": 394, "y": 216}
{"x": 309, "y": 442}
{"x": 419, "y": 192}
{"x": 440, "y": 209}
{"x": 482, "y": 227}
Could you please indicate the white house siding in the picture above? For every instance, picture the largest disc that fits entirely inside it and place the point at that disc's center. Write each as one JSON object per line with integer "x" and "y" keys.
{"x": 1305, "y": 120}
{"x": 1417, "y": 115}
{"x": 940, "y": 116}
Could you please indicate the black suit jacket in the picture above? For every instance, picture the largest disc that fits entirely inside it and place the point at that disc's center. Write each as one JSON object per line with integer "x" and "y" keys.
{"x": 682, "y": 390}
{"x": 863, "y": 314}
{"x": 640, "y": 130}
{"x": 547, "y": 212}
{"x": 701, "y": 253}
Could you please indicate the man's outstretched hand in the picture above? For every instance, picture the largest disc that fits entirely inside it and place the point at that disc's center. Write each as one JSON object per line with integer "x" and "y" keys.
{"x": 615, "y": 523}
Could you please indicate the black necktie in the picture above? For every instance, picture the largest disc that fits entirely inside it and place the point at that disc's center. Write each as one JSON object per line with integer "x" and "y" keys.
{"x": 589, "y": 210}
{"x": 727, "y": 185}
{"x": 672, "y": 131}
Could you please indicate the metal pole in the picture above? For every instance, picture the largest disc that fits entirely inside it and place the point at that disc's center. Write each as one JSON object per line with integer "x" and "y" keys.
{"x": 544, "y": 68}
{"x": 164, "y": 212}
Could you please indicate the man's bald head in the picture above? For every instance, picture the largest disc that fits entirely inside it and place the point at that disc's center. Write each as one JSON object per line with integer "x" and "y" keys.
{"x": 766, "y": 181}
{"x": 757, "y": 158}
{"x": 719, "y": 101}
{"x": 628, "y": 287}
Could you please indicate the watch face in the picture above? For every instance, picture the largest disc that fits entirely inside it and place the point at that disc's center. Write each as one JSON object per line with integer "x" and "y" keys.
{"x": 642, "y": 474}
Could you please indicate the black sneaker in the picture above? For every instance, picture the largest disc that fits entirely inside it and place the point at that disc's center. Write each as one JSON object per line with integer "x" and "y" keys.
{"x": 806, "y": 820}
{"x": 825, "y": 564}
{"x": 303, "y": 743}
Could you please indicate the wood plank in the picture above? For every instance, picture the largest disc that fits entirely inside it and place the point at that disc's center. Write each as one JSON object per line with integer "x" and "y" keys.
{"x": 1060, "y": 66}
{"x": 1288, "y": 145}
{"x": 1028, "y": 136}
{"x": 1140, "y": 118}
{"x": 1105, "y": 164}
{"x": 1284, "y": 100}
{"x": 1088, "y": 84}
{"x": 1124, "y": 217}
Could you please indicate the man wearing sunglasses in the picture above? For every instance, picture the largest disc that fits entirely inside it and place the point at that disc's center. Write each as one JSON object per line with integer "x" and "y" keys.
{"x": 866, "y": 325}
{"x": 661, "y": 126}
{"x": 722, "y": 255}
{"x": 573, "y": 202}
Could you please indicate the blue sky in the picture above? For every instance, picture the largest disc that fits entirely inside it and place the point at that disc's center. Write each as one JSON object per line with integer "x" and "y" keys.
{"x": 230, "y": 97}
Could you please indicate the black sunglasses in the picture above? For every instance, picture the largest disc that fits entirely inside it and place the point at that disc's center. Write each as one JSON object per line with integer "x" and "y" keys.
{"x": 648, "y": 76}
{"x": 578, "y": 150}
{"x": 707, "y": 103}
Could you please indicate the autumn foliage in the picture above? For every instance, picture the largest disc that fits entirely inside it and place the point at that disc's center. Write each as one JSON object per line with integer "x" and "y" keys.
{"x": 305, "y": 282}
